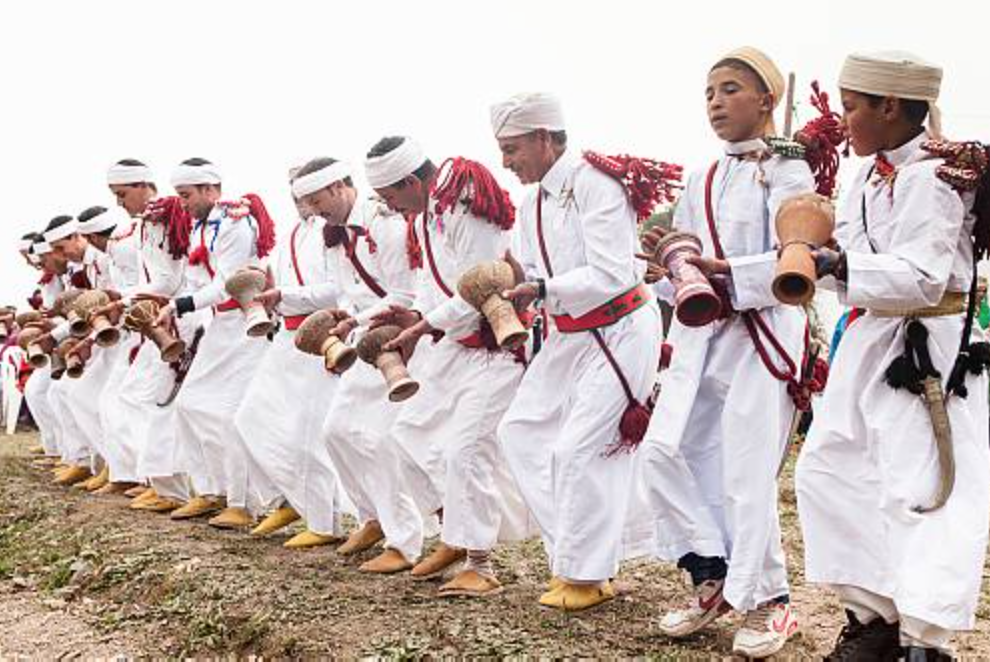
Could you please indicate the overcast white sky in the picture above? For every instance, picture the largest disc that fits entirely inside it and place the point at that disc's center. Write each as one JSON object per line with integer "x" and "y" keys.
{"x": 258, "y": 87}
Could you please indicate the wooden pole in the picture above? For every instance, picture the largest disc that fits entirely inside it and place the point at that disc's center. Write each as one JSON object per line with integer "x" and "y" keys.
{"x": 789, "y": 109}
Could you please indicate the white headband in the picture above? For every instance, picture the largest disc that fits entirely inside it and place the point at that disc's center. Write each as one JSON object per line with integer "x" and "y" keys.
{"x": 190, "y": 175}
{"x": 24, "y": 245}
{"x": 99, "y": 223}
{"x": 322, "y": 178}
{"x": 119, "y": 174}
{"x": 394, "y": 166}
{"x": 525, "y": 113}
{"x": 41, "y": 248}
{"x": 62, "y": 231}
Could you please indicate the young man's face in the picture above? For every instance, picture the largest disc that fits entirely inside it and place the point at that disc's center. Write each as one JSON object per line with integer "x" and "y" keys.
{"x": 198, "y": 200}
{"x": 330, "y": 202}
{"x": 529, "y": 156}
{"x": 737, "y": 109}
{"x": 98, "y": 240}
{"x": 864, "y": 123}
{"x": 132, "y": 197}
{"x": 71, "y": 248}
{"x": 405, "y": 196}
{"x": 53, "y": 263}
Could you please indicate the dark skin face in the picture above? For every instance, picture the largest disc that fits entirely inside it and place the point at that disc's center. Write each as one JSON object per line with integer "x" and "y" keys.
{"x": 737, "y": 108}
{"x": 875, "y": 128}
{"x": 529, "y": 156}
{"x": 72, "y": 248}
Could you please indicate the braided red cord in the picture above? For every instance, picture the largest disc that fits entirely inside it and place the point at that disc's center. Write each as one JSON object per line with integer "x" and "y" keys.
{"x": 472, "y": 183}
{"x": 821, "y": 138}
{"x": 266, "y": 226}
{"x": 414, "y": 252}
{"x": 647, "y": 182}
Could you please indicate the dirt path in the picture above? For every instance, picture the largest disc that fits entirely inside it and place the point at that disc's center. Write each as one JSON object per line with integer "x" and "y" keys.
{"x": 84, "y": 576}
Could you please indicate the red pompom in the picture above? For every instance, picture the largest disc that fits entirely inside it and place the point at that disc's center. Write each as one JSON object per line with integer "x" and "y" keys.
{"x": 647, "y": 182}
{"x": 821, "y": 138}
{"x": 473, "y": 184}
{"x": 199, "y": 255}
{"x": 632, "y": 429}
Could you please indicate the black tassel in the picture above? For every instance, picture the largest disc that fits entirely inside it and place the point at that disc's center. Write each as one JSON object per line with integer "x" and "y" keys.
{"x": 902, "y": 373}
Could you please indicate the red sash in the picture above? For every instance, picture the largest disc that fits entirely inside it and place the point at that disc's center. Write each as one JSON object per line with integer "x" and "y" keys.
{"x": 228, "y": 305}
{"x": 606, "y": 314}
{"x": 293, "y": 322}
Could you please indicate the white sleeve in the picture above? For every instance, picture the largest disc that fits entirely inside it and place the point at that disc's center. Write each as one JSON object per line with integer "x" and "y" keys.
{"x": 475, "y": 240}
{"x": 913, "y": 272}
{"x": 752, "y": 275}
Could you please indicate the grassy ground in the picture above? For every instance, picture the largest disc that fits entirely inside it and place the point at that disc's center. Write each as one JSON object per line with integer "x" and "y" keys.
{"x": 83, "y": 575}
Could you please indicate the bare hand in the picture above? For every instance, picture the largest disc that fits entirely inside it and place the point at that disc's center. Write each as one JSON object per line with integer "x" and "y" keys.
{"x": 522, "y": 295}
{"x": 710, "y": 266}
{"x": 517, "y": 270}
{"x": 650, "y": 239}
{"x": 165, "y": 314}
{"x": 157, "y": 298}
{"x": 269, "y": 299}
{"x": 344, "y": 328}
{"x": 826, "y": 260}
{"x": 654, "y": 273}
{"x": 405, "y": 342}
{"x": 396, "y": 315}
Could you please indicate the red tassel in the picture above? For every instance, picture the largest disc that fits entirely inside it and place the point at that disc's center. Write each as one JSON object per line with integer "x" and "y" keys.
{"x": 472, "y": 183}
{"x": 46, "y": 278}
{"x": 199, "y": 255}
{"x": 666, "y": 354}
{"x": 178, "y": 223}
{"x": 266, "y": 226}
{"x": 647, "y": 182}
{"x": 80, "y": 281}
{"x": 132, "y": 355}
{"x": 414, "y": 252}
{"x": 632, "y": 429}
{"x": 821, "y": 138}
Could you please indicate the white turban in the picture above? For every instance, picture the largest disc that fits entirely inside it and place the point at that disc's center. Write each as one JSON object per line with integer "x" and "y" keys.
{"x": 119, "y": 174}
{"x": 394, "y": 166}
{"x": 41, "y": 248}
{"x": 190, "y": 175}
{"x": 320, "y": 179}
{"x": 61, "y": 232}
{"x": 99, "y": 223}
{"x": 895, "y": 74}
{"x": 525, "y": 113}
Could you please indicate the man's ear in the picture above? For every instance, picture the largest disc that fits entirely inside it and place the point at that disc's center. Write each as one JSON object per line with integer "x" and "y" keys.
{"x": 766, "y": 103}
{"x": 891, "y": 108}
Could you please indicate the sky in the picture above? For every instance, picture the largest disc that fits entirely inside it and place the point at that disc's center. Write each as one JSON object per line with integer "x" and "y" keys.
{"x": 258, "y": 87}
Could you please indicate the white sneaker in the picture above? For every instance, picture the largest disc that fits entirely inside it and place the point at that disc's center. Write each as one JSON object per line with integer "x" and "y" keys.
{"x": 707, "y": 605}
{"x": 765, "y": 630}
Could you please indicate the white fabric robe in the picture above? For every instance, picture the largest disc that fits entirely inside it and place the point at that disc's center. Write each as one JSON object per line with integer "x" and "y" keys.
{"x": 870, "y": 454}
{"x": 716, "y": 438}
{"x": 357, "y": 422}
{"x": 224, "y": 365}
{"x": 40, "y": 381}
{"x": 279, "y": 420}
{"x": 567, "y": 410}
{"x": 447, "y": 432}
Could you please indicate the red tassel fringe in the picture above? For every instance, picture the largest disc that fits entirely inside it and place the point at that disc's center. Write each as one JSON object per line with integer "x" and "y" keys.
{"x": 821, "y": 138}
{"x": 414, "y": 252}
{"x": 251, "y": 203}
{"x": 474, "y": 184}
{"x": 647, "y": 182}
{"x": 632, "y": 429}
{"x": 178, "y": 223}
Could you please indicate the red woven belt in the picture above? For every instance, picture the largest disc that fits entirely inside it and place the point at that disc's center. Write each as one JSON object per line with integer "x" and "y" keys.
{"x": 606, "y": 314}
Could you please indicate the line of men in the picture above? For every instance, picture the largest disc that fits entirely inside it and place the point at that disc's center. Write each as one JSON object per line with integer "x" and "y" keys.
{"x": 500, "y": 444}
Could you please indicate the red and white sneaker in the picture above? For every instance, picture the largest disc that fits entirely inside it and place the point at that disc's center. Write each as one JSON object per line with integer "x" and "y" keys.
{"x": 707, "y": 605}
{"x": 765, "y": 630}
